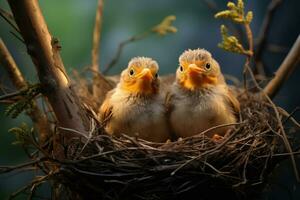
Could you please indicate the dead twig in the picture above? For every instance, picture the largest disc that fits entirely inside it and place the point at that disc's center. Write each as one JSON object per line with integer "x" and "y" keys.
{"x": 96, "y": 40}
{"x": 37, "y": 116}
{"x": 163, "y": 28}
{"x": 262, "y": 36}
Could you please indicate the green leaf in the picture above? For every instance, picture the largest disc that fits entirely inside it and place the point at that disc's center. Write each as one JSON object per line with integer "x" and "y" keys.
{"x": 165, "y": 26}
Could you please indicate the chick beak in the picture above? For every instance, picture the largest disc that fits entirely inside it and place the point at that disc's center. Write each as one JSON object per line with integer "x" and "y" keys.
{"x": 194, "y": 70}
{"x": 146, "y": 75}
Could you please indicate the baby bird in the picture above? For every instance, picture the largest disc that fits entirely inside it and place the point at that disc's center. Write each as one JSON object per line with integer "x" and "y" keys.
{"x": 199, "y": 98}
{"x": 136, "y": 107}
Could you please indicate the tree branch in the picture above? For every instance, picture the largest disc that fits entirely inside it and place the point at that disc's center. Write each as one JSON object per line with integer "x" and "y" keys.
{"x": 44, "y": 51}
{"x": 263, "y": 33}
{"x": 120, "y": 49}
{"x": 285, "y": 69}
{"x": 38, "y": 118}
{"x": 11, "y": 67}
{"x": 97, "y": 36}
{"x": 96, "y": 47}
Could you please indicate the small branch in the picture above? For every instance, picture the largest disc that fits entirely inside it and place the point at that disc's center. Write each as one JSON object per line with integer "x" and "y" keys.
{"x": 285, "y": 69}
{"x": 162, "y": 29}
{"x": 6, "y": 169}
{"x": 96, "y": 40}
{"x": 10, "y": 95}
{"x": 249, "y": 37}
{"x": 211, "y": 150}
{"x": 249, "y": 56}
{"x": 11, "y": 67}
{"x": 37, "y": 116}
{"x": 9, "y": 18}
{"x": 263, "y": 33}
{"x": 283, "y": 135}
{"x": 120, "y": 49}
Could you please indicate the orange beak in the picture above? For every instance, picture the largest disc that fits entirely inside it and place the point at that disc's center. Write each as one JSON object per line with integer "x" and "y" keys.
{"x": 194, "y": 70}
{"x": 145, "y": 75}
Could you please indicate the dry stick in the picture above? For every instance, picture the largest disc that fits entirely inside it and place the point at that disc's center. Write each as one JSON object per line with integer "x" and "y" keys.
{"x": 36, "y": 115}
{"x": 263, "y": 33}
{"x": 281, "y": 128}
{"x": 96, "y": 42}
{"x": 6, "y": 169}
{"x": 10, "y": 95}
{"x": 44, "y": 51}
{"x": 249, "y": 56}
{"x": 9, "y": 18}
{"x": 285, "y": 70}
{"x": 295, "y": 56}
{"x": 212, "y": 150}
{"x": 11, "y": 67}
{"x": 120, "y": 49}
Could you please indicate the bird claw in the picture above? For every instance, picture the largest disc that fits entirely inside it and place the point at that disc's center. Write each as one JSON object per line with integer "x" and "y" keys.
{"x": 217, "y": 138}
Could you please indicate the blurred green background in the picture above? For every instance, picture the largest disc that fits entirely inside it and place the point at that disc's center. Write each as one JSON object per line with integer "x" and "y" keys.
{"x": 72, "y": 21}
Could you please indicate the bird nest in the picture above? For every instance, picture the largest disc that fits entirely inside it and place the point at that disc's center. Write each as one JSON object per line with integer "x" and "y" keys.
{"x": 237, "y": 166}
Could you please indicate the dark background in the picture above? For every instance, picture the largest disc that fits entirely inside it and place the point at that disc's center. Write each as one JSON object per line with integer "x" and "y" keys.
{"x": 72, "y": 22}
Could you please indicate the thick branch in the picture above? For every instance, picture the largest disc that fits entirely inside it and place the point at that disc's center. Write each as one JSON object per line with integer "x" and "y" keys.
{"x": 285, "y": 69}
{"x": 38, "y": 118}
{"x": 44, "y": 51}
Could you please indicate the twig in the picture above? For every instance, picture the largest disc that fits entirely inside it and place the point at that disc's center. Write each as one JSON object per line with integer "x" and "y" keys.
{"x": 11, "y": 67}
{"x": 290, "y": 115}
{"x": 15, "y": 75}
{"x": 263, "y": 33}
{"x": 120, "y": 49}
{"x": 211, "y": 150}
{"x": 10, "y": 95}
{"x": 5, "y": 169}
{"x": 285, "y": 70}
{"x": 17, "y": 36}
{"x": 249, "y": 56}
{"x": 9, "y": 18}
{"x": 96, "y": 40}
{"x": 163, "y": 28}
{"x": 281, "y": 128}
{"x": 36, "y": 181}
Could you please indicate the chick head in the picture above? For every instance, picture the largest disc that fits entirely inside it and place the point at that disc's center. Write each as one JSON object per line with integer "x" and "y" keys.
{"x": 141, "y": 76}
{"x": 198, "y": 69}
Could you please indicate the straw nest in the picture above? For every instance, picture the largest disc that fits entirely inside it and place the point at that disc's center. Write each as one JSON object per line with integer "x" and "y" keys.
{"x": 237, "y": 167}
{"x": 100, "y": 166}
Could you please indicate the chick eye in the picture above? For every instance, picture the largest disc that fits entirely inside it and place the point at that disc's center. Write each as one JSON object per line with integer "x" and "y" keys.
{"x": 131, "y": 72}
{"x": 207, "y": 66}
{"x": 181, "y": 68}
{"x": 156, "y": 75}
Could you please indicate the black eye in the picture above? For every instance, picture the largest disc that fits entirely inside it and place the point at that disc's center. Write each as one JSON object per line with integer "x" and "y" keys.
{"x": 181, "y": 68}
{"x": 156, "y": 75}
{"x": 131, "y": 72}
{"x": 207, "y": 66}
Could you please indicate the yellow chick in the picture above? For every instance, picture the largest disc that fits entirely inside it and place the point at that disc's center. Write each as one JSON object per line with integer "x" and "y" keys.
{"x": 199, "y": 98}
{"x": 136, "y": 107}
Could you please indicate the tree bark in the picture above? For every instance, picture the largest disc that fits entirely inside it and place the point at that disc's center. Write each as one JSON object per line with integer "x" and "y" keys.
{"x": 44, "y": 51}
